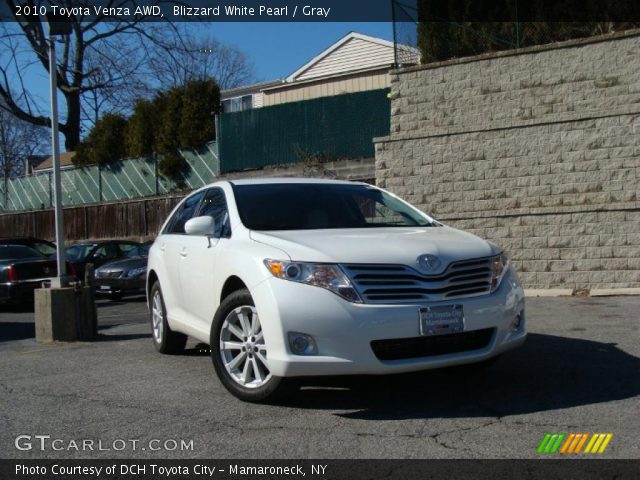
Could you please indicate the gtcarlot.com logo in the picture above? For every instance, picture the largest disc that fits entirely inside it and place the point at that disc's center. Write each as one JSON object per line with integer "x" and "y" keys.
{"x": 574, "y": 443}
{"x": 48, "y": 443}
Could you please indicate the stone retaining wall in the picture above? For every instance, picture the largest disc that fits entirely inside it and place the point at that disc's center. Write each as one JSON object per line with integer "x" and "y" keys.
{"x": 537, "y": 149}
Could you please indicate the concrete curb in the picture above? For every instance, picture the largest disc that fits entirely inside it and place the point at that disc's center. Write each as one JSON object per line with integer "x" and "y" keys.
{"x": 565, "y": 292}
{"x": 608, "y": 292}
{"x": 552, "y": 292}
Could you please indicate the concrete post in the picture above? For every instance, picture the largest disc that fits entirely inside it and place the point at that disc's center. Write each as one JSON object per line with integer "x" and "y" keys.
{"x": 65, "y": 314}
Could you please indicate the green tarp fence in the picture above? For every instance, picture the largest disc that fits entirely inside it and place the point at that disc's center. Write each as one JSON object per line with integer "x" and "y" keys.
{"x": 341, "y": 126}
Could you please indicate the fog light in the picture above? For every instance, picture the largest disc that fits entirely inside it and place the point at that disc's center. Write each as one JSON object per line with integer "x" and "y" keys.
{"x": 517, "y": 322}
{"x": 302, "y": 344}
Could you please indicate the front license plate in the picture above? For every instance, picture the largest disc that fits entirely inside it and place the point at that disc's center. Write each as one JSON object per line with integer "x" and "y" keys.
{"x": 105, "y": 287}
{"x": 442, "y": 319}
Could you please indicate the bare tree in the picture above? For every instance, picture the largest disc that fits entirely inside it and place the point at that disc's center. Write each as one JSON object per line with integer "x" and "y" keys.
{"x": 97, "y": 63}
{"x": 19, "y": 140}
{"x": 200, "y": 58}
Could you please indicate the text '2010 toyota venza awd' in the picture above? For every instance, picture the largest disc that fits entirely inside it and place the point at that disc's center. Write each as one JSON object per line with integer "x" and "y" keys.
{"x": 288, "y": 278}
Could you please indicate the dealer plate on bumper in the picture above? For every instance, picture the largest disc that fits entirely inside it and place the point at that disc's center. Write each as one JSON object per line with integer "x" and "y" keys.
{"x": 441, "y": 319}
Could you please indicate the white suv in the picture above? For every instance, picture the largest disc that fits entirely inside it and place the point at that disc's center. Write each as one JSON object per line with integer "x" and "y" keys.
{"x": 288, "y": 278}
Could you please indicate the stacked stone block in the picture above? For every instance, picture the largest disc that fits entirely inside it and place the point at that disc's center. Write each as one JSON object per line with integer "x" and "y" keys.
{"x": 537, "y": 149}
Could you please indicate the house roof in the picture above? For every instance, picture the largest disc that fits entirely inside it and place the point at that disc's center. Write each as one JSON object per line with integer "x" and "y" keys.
{"x": 65, "y": 161}
{"x": 354, "y": 51}
{"x": 248, "y": 89}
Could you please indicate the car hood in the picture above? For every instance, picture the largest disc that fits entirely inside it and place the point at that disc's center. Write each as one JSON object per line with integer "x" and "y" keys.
{"x": 377, "y": 245}
{"x": 125, "y": 264}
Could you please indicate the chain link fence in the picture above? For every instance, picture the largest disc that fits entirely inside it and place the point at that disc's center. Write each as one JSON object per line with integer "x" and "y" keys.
{"x": 125, "y": 180}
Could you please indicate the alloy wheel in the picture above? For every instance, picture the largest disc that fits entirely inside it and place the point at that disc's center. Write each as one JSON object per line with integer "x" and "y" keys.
{"x": 157, "y": 317}
{"x": 242, "y": 347}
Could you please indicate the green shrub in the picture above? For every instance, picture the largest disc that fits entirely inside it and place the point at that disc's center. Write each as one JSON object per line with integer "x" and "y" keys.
{"x": 200, "y": 100}
{"x": 105, "y": 143}
{"x": 141, "y": 128}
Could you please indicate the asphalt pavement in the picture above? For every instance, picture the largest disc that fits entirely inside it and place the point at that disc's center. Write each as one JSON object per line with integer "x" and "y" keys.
{"x": 579, "y": 371}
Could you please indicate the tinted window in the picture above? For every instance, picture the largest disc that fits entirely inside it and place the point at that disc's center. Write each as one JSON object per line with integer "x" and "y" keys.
{"x": 140, "y": 250}
{"x": 76, "y": 253}
{"x": 184, "y": 213}
{"x": 108, "y": 250}
{"x": 44, "y": 248}
{"x": 304, "y": 206}
{"x": 125, "y": 248}
{"x": 214, "y": 204}
{"x": 14, "y": 252}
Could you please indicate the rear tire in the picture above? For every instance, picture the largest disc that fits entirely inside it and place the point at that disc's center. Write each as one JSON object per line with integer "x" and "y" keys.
{"x": 239, "y": 353}
{"x": 164, "y": 339}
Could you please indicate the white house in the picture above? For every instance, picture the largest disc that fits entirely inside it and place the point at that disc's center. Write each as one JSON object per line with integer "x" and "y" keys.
{"x": 355, "y": 63}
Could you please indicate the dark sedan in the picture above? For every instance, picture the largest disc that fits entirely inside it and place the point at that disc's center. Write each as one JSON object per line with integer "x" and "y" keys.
{"x": 126, "y": 276}
{"x": 97, "y": 253}
{"x": 22, "y": 270}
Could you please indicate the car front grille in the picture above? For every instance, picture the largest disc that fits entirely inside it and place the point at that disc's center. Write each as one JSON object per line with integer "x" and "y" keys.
{"x": 404, "y": 348}
{"x": 402, "y": 284}
{"x": 108, "y": 274}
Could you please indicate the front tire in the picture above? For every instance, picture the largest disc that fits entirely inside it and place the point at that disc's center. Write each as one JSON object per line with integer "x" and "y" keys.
{"x": 239, "y": 352}
{"x": 164, "y": 339}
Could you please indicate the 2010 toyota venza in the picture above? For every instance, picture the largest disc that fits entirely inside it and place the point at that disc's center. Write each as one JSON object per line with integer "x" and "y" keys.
{"x": 288, "y": 278}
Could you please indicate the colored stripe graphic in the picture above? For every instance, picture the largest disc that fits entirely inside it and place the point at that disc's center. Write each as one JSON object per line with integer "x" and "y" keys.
{"x": 581, "y": 443}
{"x": 573, "y": 443}
{"x": 598, "y": 443}
{"x": 550, "y": 443}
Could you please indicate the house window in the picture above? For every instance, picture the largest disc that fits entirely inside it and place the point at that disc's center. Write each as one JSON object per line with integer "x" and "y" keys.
{"x": 247, "y": 102}
{"x": 237, "y": 104}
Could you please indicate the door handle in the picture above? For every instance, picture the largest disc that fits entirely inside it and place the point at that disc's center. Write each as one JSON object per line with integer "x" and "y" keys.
{"x": 162, "y": 245}
{"x": 183, "y": 253}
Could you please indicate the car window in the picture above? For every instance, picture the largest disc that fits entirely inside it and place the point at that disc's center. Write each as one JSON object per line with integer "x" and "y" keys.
{"x": 184, "y": 213}
{"x": 77, "y": 253}
{"x": 14, "y": 252}
{"x": 126, "y": 248}
{"x": 44, "y": 248}
{"x": 107, "y": 250}
{"x": 214, "y": 204}
{"x": 305, "y": 206}
{"x": 140, "y": 251}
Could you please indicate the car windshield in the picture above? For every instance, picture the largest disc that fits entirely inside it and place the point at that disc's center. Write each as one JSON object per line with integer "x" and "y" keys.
{"x": 16, "y": 252}
{"x": 308, "y": 206}
{"x": 140, "y": 250}
{"x": 76, "y": 253}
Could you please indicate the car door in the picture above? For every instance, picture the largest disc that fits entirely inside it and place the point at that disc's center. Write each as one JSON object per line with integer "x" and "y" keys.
{"x": 198, "y": 259}
{"x": 170, "y": 244}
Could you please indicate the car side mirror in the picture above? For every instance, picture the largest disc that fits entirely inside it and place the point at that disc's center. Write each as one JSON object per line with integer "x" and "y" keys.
{"x": 204, "y": 225}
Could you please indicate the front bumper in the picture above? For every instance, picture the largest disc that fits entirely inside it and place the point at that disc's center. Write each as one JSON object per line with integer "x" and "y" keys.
{"x": 120, "y": 286}
{"x": 343, "y": 331}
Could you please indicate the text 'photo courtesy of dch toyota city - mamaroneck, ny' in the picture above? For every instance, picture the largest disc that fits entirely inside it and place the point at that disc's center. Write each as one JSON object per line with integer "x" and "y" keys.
{"x": 349, "y": 239}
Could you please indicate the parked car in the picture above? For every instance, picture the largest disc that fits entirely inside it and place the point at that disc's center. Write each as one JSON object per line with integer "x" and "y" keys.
{"x": 45, "y": 247}
{"x": 22, "y": 270}
{"x": 288, "y": 278}
{"x": 124, "y": 277}
{"x": 97, "y": 253}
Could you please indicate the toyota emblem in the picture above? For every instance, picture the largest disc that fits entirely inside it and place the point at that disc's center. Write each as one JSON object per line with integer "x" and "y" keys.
{"x": 429, "y": 263}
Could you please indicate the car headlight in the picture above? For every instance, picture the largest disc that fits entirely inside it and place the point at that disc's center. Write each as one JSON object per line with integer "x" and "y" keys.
{"x": 322, "y": 275}
{"x": 499, "y": 266}
{"x": 136, "y": 271}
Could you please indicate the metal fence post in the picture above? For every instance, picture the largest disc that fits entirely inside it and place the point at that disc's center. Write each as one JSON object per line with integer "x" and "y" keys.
{"x": 99, "y": 184}
{"x": 155, "y": 165}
